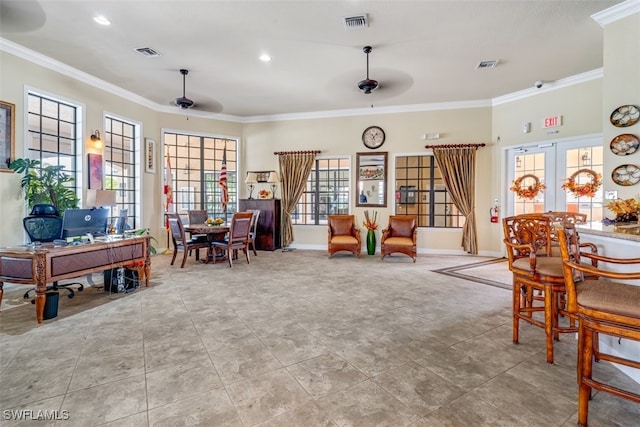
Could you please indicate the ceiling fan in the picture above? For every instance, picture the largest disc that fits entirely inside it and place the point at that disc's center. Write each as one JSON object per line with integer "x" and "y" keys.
{"x": 183, "y": 102}
{"x": 367, "y": 85}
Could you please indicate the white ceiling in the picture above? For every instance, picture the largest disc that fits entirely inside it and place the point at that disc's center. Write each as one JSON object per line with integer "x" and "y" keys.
{"x": 423, "y": 51}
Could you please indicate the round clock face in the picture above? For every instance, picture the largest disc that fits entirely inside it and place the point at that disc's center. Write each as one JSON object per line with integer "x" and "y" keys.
{"x": 373, "y": 137}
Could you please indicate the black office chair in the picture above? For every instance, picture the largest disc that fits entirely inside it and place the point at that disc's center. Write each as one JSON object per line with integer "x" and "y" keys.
{"x": 45, "y": 225}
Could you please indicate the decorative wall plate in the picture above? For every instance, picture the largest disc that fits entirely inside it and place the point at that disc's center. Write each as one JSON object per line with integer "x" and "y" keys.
{"x": 625, "y": 115}
{"x": 624, "y": 144}
{"x": 626, "y": 175}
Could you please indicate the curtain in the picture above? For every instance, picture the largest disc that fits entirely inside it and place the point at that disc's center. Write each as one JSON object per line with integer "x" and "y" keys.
{"x": 295, "y": 167}
{"x": 458, "y": 168}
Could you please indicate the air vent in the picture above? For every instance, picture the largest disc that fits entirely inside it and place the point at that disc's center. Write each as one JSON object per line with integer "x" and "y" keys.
{"x": 487, "y": 64}
{"x": 147, "y": 51}
{"x": 356, "y": 22}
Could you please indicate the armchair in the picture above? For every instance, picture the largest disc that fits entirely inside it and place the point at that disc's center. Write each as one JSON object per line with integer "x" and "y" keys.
{"x": 400, "y": 236}
{"x": 343, "y": 235}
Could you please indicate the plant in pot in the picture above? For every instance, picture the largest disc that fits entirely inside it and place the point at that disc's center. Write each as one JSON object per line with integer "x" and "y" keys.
{"x": 46, "y": 184}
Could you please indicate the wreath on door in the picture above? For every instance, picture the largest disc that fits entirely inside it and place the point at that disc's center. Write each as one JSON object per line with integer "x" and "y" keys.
{"x": 587, "y": 189}
{"x": 527, "y": 186}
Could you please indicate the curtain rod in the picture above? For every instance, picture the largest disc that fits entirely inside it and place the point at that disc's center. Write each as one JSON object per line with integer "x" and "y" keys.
{"x": 476, "y": 146}
{"x": 279, "y": 153}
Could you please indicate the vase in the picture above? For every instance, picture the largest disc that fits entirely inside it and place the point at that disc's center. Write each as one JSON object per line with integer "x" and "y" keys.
{"x": 371, "y": 242}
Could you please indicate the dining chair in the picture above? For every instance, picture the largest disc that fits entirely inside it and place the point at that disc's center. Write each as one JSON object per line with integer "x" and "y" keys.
{"x": 254, "y": 229}
{"x": 198, "y": 216}
{"x": 605, "y": 303}
{"x": 238, "y": 237}
{"x": 180, "y": 239}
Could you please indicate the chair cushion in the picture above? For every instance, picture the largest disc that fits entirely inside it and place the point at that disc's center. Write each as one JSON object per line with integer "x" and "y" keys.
{"x": 609, "y": 297}
{"x": 341, "y": 226}
{"x": 343, "y": 240}
{"x": 547, "y": 266}
{"x": 402, "y": 227}
{"x": 399, "y": 241}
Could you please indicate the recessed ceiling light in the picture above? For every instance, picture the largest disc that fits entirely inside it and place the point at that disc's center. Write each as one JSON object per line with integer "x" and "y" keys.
{"x": 101, "y": 20}
{"x": 265, "y": 58}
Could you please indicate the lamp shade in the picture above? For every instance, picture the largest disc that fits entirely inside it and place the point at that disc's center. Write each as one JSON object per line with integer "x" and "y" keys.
{"x": 251, "y": 178}
{"x": 273, "y": 177}
{"x": 99, "y": 198}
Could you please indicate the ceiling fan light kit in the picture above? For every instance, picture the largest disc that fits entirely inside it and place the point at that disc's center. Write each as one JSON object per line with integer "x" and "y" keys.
{"x": 183, "y": 102}
{"x": 367, "y": 85}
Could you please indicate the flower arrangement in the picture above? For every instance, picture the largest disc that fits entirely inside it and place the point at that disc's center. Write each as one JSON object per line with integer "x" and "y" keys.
{"x": 588, "y": 189}
{"x": 620, "y": 206}
{"x": 370, "y": 220}
{"x": 528, "y": 191}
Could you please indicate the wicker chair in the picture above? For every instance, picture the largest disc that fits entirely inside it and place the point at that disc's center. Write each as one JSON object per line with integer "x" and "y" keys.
{"x": 602, "y": 306}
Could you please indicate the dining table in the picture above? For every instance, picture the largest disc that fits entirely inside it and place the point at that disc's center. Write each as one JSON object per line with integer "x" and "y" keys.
{"x": 214, "y": 233}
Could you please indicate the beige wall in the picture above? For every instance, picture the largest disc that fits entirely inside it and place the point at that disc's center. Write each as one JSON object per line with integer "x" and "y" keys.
{"x": 584, "y": 108}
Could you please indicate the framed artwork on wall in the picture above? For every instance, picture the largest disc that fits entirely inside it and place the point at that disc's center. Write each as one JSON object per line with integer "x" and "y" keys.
{"x": 150, "y": 155}
{"x": 95, "y": 171}
{"x": 7, "y": 135}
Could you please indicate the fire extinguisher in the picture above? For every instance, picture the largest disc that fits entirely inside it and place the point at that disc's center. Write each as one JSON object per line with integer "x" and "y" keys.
{"x": 494, "y": 213}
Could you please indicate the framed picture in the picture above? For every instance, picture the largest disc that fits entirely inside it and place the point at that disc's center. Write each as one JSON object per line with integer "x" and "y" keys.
{"x": 95, "y": 171}
{"x": 7, "y": 135}
{"x": 150, "y": 155}
{"x": 262, "y": 176}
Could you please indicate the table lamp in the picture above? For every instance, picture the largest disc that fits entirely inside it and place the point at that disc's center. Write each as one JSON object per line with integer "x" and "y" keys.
{"x": 100, "y": 198}
{"x": 274, "y": 179}
{"x": 251, "y": 179}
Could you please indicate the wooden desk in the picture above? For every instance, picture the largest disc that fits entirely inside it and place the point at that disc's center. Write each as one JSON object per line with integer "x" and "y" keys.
{"x": 42, "y": 264}
{"x": 214, "y": 233}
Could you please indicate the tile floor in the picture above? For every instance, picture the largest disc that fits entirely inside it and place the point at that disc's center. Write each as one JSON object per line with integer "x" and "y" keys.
{"x": 293, "y": 339}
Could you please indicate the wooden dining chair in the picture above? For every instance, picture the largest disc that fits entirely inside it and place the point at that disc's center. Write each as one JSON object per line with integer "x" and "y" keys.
{"x": 238, "y": 237}
{"x": 254, "y": 229}
{"x": 604, "y": 304}
{"x": 180, "y": 240}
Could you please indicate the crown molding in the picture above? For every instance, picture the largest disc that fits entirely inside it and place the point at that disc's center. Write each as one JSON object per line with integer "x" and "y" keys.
{"x": 617, "y": 12}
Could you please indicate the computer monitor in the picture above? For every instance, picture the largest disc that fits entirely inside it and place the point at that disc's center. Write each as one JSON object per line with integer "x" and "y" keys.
{"x": 78, "y": 222}
{"x": 121, "y": 222}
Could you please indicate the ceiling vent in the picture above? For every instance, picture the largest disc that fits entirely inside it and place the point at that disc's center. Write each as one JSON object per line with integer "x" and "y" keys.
{"x": 147, "y": 51}
{"x": 356, "y": 22}
{"x": 487, "y": 64}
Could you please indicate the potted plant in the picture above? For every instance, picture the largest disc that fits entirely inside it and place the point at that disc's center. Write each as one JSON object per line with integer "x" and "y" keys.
{"x": 46, "y": 184}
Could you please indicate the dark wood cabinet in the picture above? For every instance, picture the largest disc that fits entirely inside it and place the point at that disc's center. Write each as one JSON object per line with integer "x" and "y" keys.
{"x": 268, "y": 232}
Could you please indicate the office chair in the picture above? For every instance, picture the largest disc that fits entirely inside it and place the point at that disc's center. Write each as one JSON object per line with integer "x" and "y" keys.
{"x": 45, "y": 225}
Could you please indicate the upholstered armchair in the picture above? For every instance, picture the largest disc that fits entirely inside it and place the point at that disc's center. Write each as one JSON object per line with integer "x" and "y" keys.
{"x": 343, "y": 235}
{"x": 400, "y": 236}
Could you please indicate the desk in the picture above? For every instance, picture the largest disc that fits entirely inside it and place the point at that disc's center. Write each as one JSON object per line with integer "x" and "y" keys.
{"x": 46, "y": 263}
{"x": 213, "y": 232}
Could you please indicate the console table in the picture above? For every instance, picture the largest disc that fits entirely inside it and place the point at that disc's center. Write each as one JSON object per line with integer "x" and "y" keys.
{"x": 46, "y": 263}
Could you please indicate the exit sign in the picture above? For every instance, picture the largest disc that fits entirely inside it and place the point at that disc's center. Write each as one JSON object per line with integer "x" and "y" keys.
{"x": 552, "y": 122}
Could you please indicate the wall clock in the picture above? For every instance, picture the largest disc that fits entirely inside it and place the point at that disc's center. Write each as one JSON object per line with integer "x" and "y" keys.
{"x": 625, "y": 115}
{"x": 373, "y": 137}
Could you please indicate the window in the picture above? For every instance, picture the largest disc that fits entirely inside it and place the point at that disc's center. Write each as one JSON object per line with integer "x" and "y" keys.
{"x": 53, "y": 129}
{"x": 120, "y": 142}
{"x": 195, "y": 165}
{"x": 326, "y": 193}
{"x": 420, "y": 191}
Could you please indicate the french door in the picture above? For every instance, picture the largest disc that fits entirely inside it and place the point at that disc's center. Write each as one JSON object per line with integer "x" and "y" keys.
{"x": 552, "y": 163}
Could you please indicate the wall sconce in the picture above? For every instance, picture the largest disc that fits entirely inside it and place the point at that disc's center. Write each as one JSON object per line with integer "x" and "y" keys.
{"x": 251, "y": 179}
{"x": 95, "y": 137}
{"x": 586, "y": 160}
{"x": 274, "y": 179}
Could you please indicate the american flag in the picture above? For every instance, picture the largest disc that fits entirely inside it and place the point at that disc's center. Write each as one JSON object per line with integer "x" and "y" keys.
{"x": 222, "y": 181}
